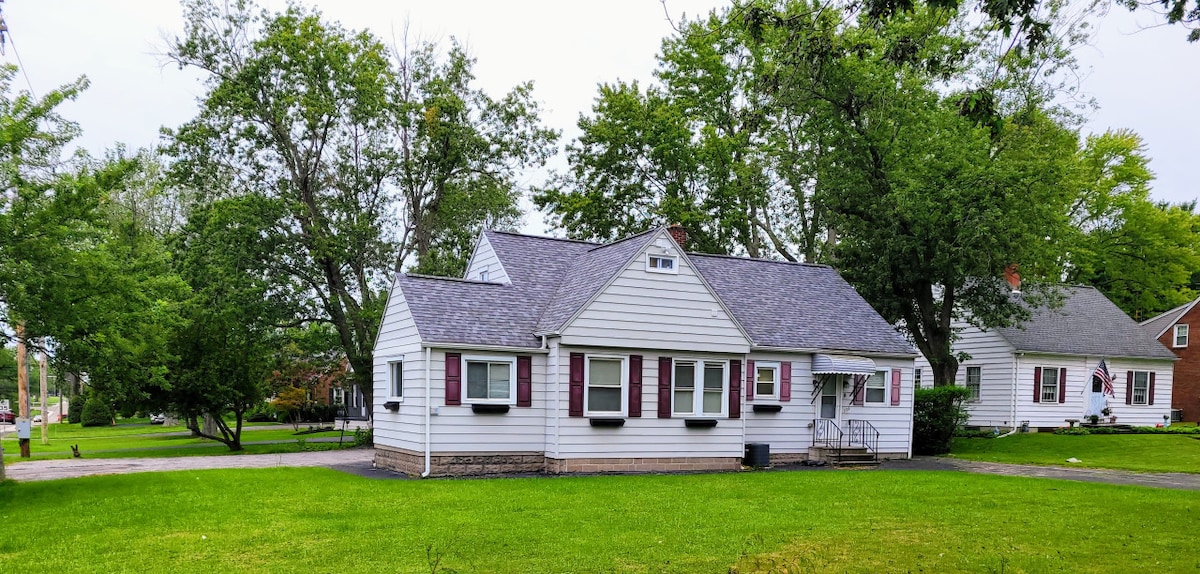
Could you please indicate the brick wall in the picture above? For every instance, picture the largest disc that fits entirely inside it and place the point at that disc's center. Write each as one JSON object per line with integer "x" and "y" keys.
{"x": 1185, "y": 386}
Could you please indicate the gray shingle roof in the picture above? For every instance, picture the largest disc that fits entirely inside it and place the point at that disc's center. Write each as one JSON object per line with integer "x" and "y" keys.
{"x": 796, "y": 305}
{"x": 787, "y": 305}
{"x": 1155, "y": 326}
{"x": 1086, "y": 324}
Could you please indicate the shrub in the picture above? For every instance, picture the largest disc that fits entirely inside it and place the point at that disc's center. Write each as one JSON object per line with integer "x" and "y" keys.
{"x": 261, "y": 413}
{"x": 75, "y": 409}
{"x": 975, "y": 434}
{"x": 937, "y": 414}
{"x": 96, "y": 413}
{"x": 1074, "y": 431}
{"x": 363, "y": 437}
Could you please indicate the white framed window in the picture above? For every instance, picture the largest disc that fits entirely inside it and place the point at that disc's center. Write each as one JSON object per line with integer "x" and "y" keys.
{"x": 876, "y": 391}
{"x": 698, "y": 388}
{"x": 491, "y": 380}
{"x": 916, "y": 378}
{"x": 661, "y": 263}
{"x": 484, "y": 274}
{"x": 1181, "y": 336}
{"x": 1049, "y": 385}
{"x": 396, "y": 379}
{"x": 605, "y": 381}
{"x": 339, "y": 396}
{"x": 766, "y": 380}
{"x": 1141, "y": 388}
{"x": 974, "y": 376}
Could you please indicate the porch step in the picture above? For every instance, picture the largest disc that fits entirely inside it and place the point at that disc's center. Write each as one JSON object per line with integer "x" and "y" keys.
{"x": 849, "y": 456}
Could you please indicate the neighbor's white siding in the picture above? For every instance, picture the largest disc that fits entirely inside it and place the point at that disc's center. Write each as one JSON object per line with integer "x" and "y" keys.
{"x": 645, "y": 436}
{"x": 645, "y": 310}
{"x": 994, "y": 356}
{"x": 1079, "y": 385}
{"x": 398, "y": 340}
{"x": 484, "y": 258}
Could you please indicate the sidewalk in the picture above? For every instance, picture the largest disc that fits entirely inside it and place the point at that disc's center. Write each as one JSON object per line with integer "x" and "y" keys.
{"x": 77, "y": 467}
{"x": 1173, "y": 480}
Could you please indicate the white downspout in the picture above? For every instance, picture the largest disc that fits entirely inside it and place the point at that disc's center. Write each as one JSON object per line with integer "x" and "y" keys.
{"x": 1016, "y": 379}
{"x": 428, "y": 406}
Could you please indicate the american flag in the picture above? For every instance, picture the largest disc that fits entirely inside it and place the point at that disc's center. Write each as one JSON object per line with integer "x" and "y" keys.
{"x": 1102, "y": 374}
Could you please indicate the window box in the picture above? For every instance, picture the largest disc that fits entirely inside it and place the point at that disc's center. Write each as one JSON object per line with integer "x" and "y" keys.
{"x": 489, "y": 409}
{"x": 699, "y": 423}
{"x": 768, "y": 408}
{"x": 392, "y": 405}
{"x": 607, "y": 422}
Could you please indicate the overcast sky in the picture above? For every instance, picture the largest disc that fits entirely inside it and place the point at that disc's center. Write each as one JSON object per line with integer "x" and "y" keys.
{"x": 1143, "y": 79}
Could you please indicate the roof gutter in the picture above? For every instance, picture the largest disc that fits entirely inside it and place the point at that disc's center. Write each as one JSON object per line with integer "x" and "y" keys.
{"x": 497, "y": 348}
{"x": 770, "y": 349}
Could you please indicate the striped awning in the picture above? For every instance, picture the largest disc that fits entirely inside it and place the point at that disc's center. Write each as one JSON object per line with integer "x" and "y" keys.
{"x": 842, "y": 365}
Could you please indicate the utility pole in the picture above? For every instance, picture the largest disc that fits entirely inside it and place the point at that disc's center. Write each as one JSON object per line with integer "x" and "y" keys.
{"x": 45, "y": 397}
{"x": 22, "y": 388}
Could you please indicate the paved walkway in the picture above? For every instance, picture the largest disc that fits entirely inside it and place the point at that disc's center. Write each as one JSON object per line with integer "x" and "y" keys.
{"x": 1175, "y": 480}
{"x": 76, "y": 467}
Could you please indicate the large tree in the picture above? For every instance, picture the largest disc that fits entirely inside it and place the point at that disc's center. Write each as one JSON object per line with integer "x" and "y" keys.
{"x": 375, "y": 160}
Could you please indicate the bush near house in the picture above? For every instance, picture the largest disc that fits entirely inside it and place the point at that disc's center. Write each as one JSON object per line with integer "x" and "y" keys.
{"x": 937, "y": 413}
{"x": 96, "y": 413}
{"x": 75, "y": 409}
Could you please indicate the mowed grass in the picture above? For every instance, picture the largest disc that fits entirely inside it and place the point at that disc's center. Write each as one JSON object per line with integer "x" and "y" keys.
{"x": 1136, "y": 452}
{"x": 319, "y": 520}
{"x": 152, "y": 441}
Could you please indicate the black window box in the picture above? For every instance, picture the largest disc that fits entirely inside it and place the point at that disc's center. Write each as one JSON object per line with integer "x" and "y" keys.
{"x": 489, "y": 409}
{"x": 610, "y": 422}
{"x": 699, "y": 423}
{"x": 392, "y": 405}
{"x": 768, "y": 408}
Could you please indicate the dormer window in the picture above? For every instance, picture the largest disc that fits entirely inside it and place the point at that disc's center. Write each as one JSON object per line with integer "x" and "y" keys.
{"x": 661, "y": 264}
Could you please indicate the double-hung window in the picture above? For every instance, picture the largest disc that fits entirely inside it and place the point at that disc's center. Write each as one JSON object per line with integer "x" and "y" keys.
{"x": 699, "y": 388}
{"x": 876, "y": 387}
{"x": 490, "y": 380}
{"x": 1049, "y": 385}
{"x": 916, "y": 378}
{"x": 396, "y": 379}
{"x": 974, "y": 376}
{"x": 1141, "y": 387}
{"x": 1181, "y": 335}
{"x": 766, "y": 380}
{"x": 606, "y": 383}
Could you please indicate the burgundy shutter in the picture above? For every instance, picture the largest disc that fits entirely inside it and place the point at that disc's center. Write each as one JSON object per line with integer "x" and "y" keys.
{"x": 735, "y": 389}
{"x": 1062, "y": 385}
{"x": 751, "y": 379}
{"x": 785, "y": 381}
{"x": 664, "y": 387}
{"x": 1150, "y": 391}
{"x": 860, "y": 390}
{"x": 1129, "y": 387}
{"x": 575, "y": 395}
{"x": 635, "y": 385}
{"x": 524, "y": 381}
{"x": 1037, "y": 384}
{"x": 895, "y": 387}
{"x": 453, "y": 379}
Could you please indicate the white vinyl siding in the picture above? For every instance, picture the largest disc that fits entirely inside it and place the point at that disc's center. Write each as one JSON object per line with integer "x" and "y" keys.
{"x": 644, "y": 310}
{"x": 894, "y": 422}
{"x": 398, "y": 343}
{"x": 994, "y": 357}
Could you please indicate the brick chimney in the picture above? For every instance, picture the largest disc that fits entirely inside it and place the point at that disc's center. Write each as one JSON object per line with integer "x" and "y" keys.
{"x": 679, "y": 234}
{"x": 1013, "y": 278}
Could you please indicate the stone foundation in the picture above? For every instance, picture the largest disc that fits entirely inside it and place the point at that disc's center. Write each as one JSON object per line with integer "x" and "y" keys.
{"x": 477, "y": 464}
{"x": 788, "y": 458}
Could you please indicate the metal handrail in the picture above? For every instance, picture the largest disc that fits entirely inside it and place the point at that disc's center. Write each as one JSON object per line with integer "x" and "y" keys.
{"x": 827, "y": 433}
{"x": 863, "y": 433}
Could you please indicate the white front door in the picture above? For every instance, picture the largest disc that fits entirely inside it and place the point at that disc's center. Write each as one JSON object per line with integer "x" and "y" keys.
{"x": 828, "y": 405}
{"x": 1096, "y": 402}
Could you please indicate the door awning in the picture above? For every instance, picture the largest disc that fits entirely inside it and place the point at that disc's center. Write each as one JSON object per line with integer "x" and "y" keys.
{"x": 842, "y": 365}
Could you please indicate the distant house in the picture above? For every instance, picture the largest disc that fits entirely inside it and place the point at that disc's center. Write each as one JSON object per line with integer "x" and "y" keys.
{"x": 1042, "y": 372}
{"x": 1173, "y": 329}
{"x": 554, "y": 355}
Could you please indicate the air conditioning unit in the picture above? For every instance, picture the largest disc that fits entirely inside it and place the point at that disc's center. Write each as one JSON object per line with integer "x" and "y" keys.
{"x": 1176, "y": 415}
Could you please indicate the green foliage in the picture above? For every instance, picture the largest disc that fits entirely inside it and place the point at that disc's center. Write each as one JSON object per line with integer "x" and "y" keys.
{"x": 96, "y": 412}
{"x": 363, "y": 437}
{"x": 937, "y": 415}
{"x": 75, "y": 409}
{"x": 1078, "y": 431}
{"x": 963, "y": 433}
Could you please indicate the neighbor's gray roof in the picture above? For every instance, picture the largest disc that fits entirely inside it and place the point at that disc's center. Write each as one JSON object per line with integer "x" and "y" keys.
{"x": 1158, "y": 325}
{"x": 1086, "y": 324}
{"x": 796, "y": 305}
{"x": 786, "y": 305}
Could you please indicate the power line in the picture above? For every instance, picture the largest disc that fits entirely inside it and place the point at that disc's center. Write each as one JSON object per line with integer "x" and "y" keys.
{"x": 21, "y": 66}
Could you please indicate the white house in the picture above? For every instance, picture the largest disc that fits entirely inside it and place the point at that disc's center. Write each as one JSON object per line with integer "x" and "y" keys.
{"x": 1042, "y": 372}
{"x": 555, "y": 355}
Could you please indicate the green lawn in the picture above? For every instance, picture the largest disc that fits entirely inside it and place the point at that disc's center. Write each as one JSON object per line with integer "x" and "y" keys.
{"x": 1137, "y": 452}
{"x": 318, "y": 520}
{"x": 94, "y": 441}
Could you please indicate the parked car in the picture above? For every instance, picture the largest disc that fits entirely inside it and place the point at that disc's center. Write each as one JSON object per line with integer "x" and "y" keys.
{"x": 7, "y": 417}
{"x": 37, "y": 419}
{"x": 158, "y": 419}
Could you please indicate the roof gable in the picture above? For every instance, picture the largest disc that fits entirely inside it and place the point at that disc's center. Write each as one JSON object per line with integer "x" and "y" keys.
{"x": 484, "y": 260}
{"x": 589, "y": 274}
{"x": 1158, "y": 325}
{"x": 1086, "y": 324}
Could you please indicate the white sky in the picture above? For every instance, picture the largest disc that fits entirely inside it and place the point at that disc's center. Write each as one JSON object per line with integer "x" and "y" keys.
{"x": 1144, "y": 80}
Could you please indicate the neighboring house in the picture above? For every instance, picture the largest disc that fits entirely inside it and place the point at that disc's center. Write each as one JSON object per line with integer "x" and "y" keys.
{"x": 1041, "y": 372}
{"x": 1173, "y": 329}
{"x": 555, "y": 355}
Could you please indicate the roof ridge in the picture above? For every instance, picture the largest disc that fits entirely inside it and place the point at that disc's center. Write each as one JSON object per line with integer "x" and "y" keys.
{"x": 626, "y": 238}
{"x": 546, "y": 237}
{"x": 758, "y": 260}
{"x": 451, "y": 279}
{"x": 1167, "y": 313}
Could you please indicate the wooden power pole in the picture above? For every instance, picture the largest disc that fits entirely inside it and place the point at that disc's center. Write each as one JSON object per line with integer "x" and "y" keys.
{"x": 22, "y": 387}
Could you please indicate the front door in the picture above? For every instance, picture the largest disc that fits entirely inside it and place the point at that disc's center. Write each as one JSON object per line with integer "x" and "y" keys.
{"x": 829, "y": 397}
{"x": 1096, "y": 402}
